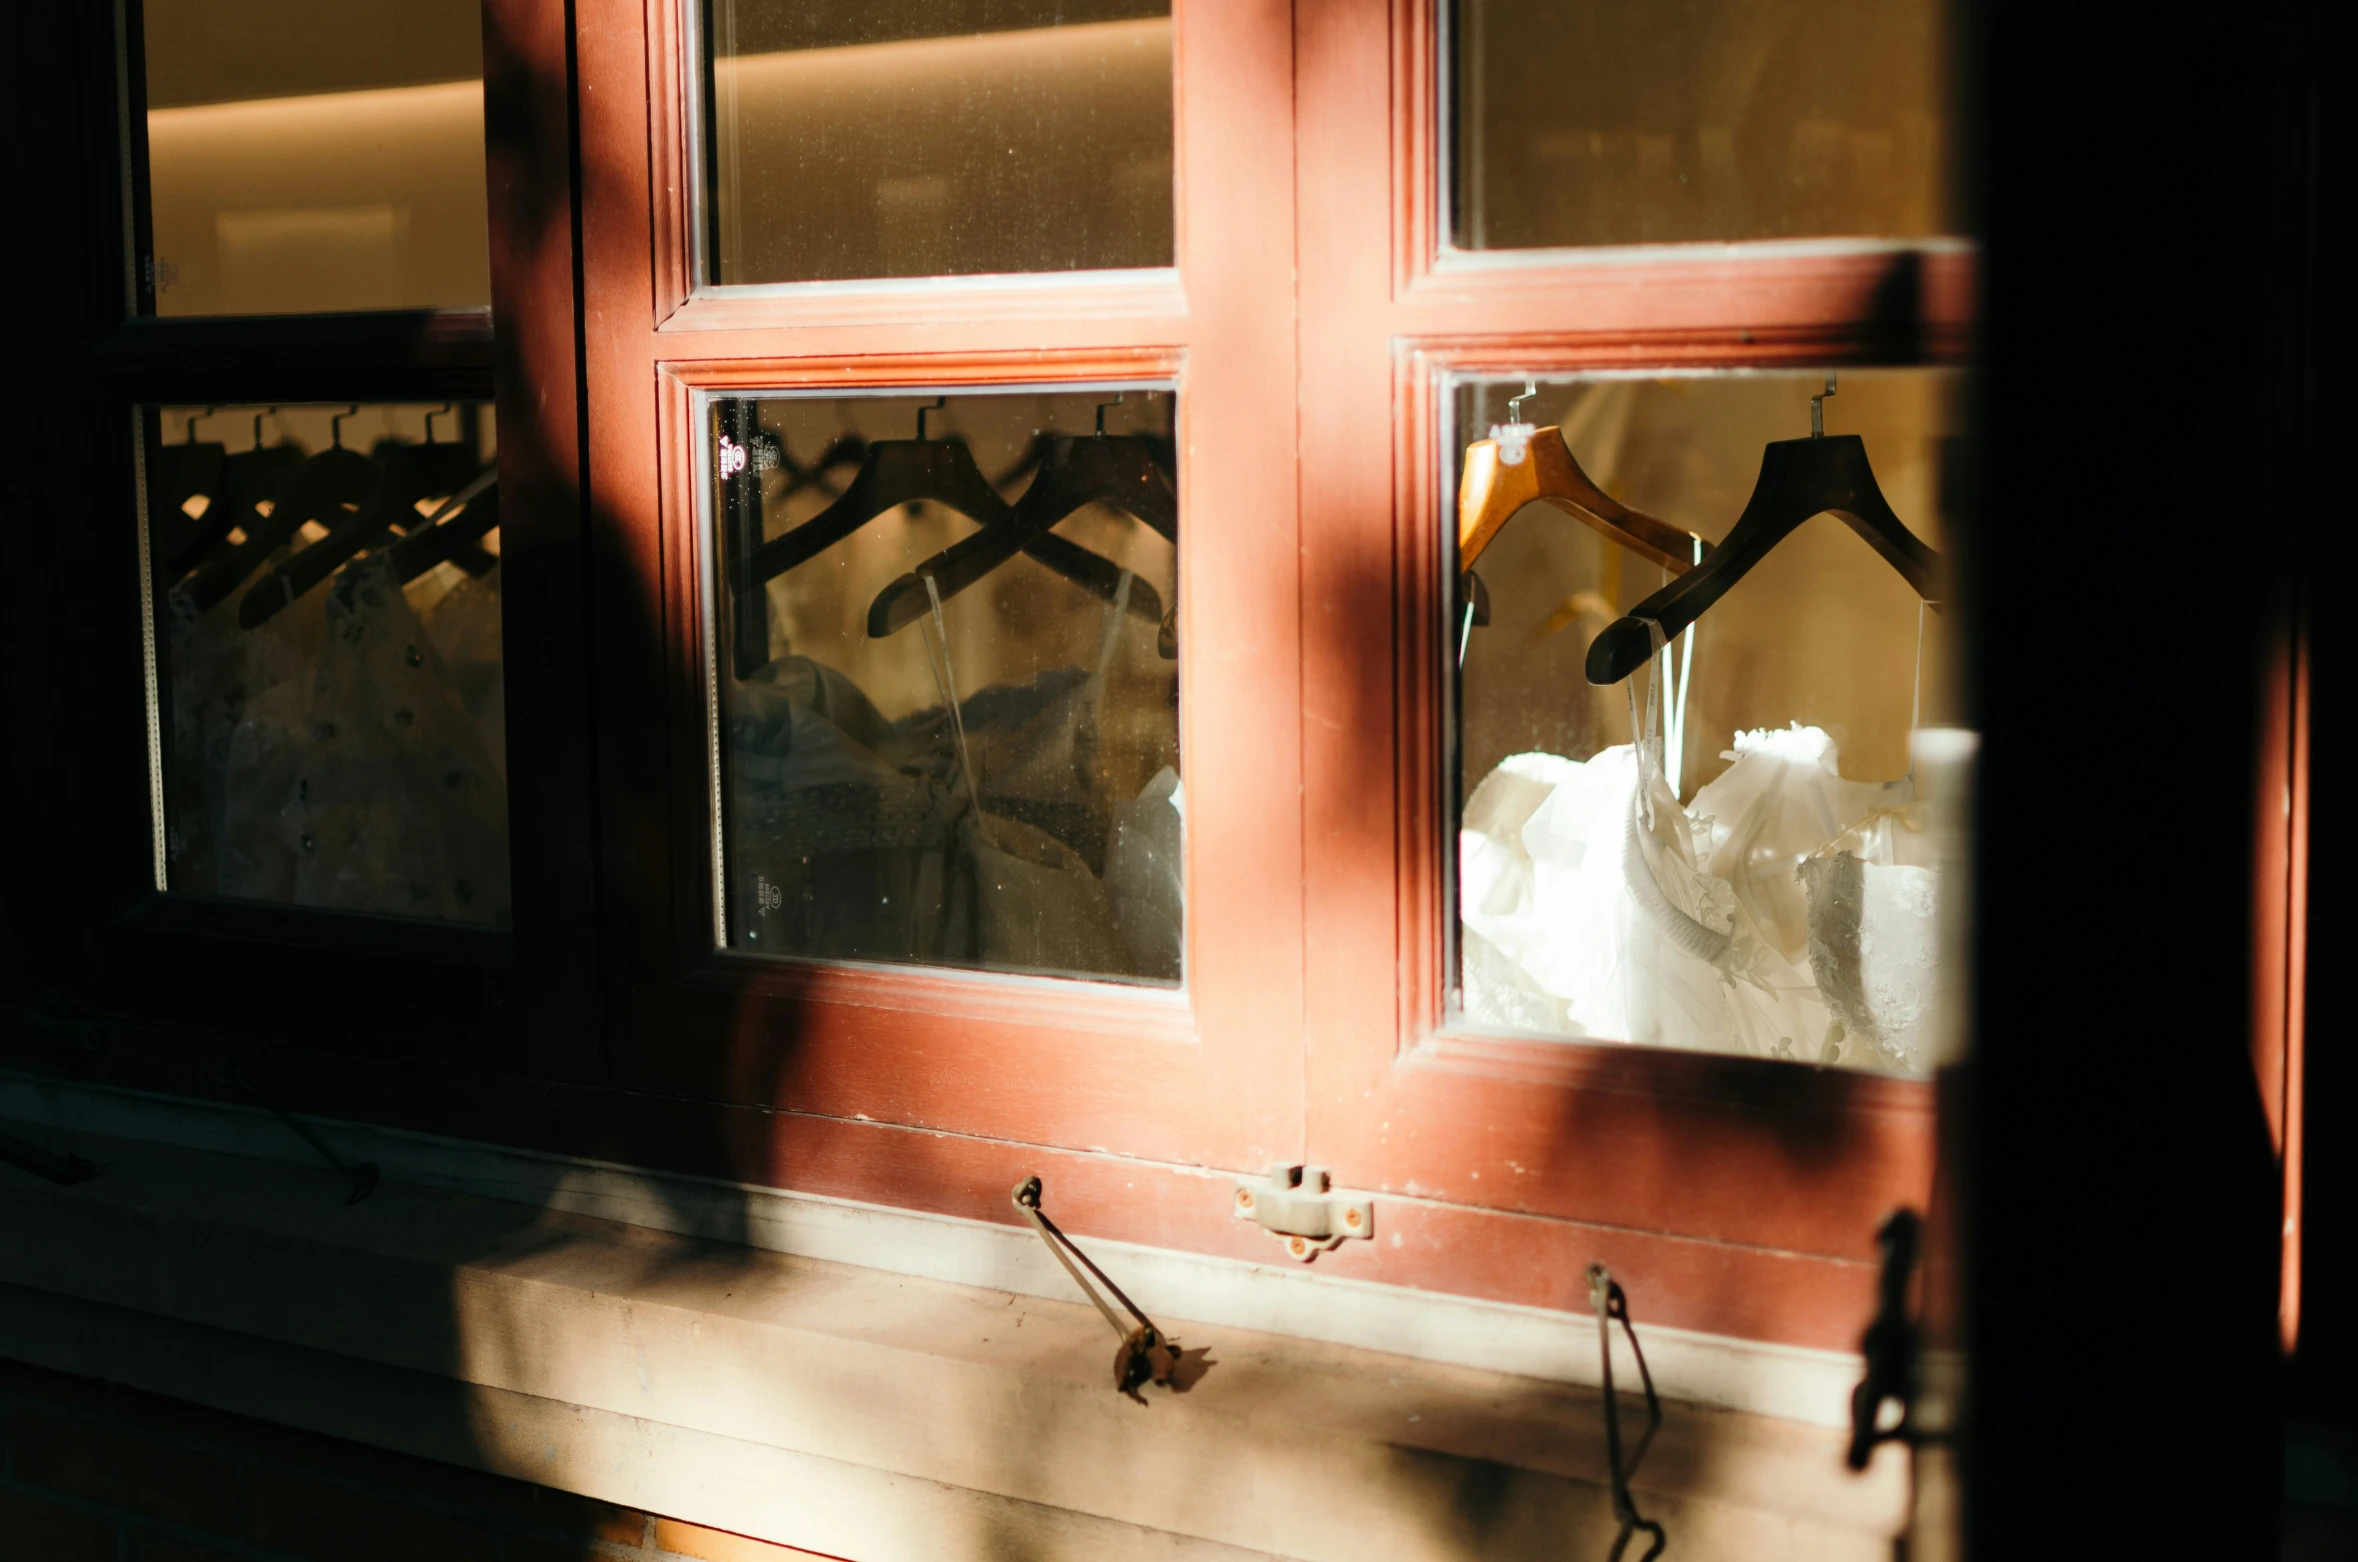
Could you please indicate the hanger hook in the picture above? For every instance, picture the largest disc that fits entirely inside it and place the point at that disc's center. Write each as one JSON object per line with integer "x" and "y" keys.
{"x": 939, "y": 402}
{"x": 1817, "y": 408}
{"x": 448, "y": 406}
{"x": 1101, "y": 406}
{"x": 336, "y": 425}
{"x": 1514, "y": 435}
{"x": 266, "y": 412}
{"x": 1515, "y": 403}
{"x": 194, "y": 418}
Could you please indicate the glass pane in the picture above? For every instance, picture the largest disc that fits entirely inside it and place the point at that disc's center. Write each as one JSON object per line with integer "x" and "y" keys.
{"x": 953, "y": 137}
{"x": 1662, "y": 121}
{"x": 310, "y": 155}
{"x": 329, "y": 715}
{"x": 984, "y": 775}
{"x": 1775, "y": 871}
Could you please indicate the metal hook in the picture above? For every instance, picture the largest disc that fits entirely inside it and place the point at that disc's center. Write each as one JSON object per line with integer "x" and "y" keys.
{"x": 266, "y": 412}
{"x": 1817, "y": 408}
{"x": 1514, "y": 435}
{"x": 1609, "y": 1302}
{"x": 362, "y": 1175}
{"x": 1101, "y": 406}
{"x": 939, "y": 402}
{"x": 447, "y": 406}
{"x": 1146, "y": 1355}
{"x": 189, "y": 436}
{"x": 336, "y": 425}
{"x": 1892, "y": 1347}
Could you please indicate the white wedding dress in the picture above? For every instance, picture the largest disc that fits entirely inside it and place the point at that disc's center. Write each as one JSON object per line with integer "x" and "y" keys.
{"x": 1786, "y": 912}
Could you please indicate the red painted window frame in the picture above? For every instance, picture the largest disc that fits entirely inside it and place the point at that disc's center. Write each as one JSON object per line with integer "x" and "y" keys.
{"x": 1742, "y": 1196}
{"x": 1737, "y": 1196}
{"x": 860, "y": 1055}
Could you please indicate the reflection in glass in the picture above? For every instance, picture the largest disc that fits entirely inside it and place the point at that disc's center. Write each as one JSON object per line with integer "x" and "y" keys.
{"x": 1772, "y": 870}
{"x": 949, "y": 698}
{"x": 313, "y": 155}
{"x": 1665, "y": 121}
{"x": 327, "y": 630}
{"x": 950, "y": 138}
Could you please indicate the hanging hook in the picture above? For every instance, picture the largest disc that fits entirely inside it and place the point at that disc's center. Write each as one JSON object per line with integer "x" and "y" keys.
{"x": 1515, "y": 403}
{"x": 1101, "y": 406}
{"x": 194, "y": 418}
{"x": 266, "y": 412}
{"x": 1817, "y": 408}
{"x": 336, "y": 425}
{"x": 939, "y": 402}
{"x": 447, "y": 406}
{"x": 1514, "y": 435}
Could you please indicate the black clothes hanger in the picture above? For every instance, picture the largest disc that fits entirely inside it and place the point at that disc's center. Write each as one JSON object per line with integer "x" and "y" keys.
{"x": 246, "y": 480}
{"x": 190, "y": 468}
{"x": 1119, "y": 470}
{"x": 1043, "y": 441}
{"x": 892, "y": 473}
{"x": 318, "y": 491}
{"x": 401, "y": 481}
{"x": 1825, "y": 474}
{"x": 449, "y": 465}
{"x": 452, "y": 532}
{"x": 845, "y": 450}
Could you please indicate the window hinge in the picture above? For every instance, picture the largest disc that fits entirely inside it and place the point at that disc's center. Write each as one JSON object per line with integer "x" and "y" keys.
{"x": 1297, "y": 1205}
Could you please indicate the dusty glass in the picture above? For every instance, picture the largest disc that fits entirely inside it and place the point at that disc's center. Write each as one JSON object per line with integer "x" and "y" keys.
{"x": 327, "y": 715}
{"x": 949, "y": 138}
{"x": 947, "y": 712}
{"x": 1582, "y": 122}
{"x": 310, "y": 155}
{"x": 1775, "y": 869}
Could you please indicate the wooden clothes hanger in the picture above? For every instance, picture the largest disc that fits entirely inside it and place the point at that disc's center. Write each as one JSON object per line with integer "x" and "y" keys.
{"x": 1120, "y": 471}
{"x": 1825, "y": 474}
{"x": 1520, "y": 465}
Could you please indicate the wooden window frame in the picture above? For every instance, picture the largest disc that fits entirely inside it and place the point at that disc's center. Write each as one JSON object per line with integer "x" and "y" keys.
{"x": 862, "y": 1054}
{"x": 1740, "y": 1195}
{"x": 1735, "y": 1196}
{"x": 1743, "y": 1194}
{"x": 257, "y": 978}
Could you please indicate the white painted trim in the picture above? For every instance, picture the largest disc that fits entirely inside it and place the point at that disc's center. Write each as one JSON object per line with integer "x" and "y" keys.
{"x": 1787, "y": 1381}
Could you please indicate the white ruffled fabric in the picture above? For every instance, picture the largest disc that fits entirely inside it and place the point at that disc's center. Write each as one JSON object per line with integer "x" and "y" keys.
{"x": 1755, "y": 920}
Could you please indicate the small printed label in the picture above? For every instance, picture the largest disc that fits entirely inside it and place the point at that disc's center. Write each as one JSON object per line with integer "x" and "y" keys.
{"x": 732, "y": 457}
{"x": 767, "y": 895}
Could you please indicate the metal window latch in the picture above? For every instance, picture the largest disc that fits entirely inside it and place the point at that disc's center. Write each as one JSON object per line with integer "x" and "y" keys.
{"x": 1146, "y": 1354}
{"x": 1295, "y": 1204}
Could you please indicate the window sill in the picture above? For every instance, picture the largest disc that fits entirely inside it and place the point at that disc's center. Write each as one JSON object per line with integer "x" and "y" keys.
{"x": 842, "y": 1408}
